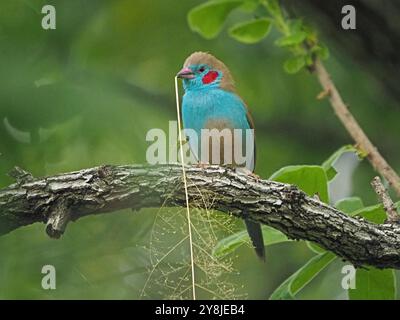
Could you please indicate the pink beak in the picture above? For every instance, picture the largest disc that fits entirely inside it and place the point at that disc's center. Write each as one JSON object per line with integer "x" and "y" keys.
{"x": 185, "y": 73}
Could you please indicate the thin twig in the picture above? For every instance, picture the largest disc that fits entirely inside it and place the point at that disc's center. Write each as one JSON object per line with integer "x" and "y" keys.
{"x": 354, "y": 129}
{"x": 388, "y": 205}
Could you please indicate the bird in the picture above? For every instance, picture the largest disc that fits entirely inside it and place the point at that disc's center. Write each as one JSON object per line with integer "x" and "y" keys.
{"x": 211, "y": 102}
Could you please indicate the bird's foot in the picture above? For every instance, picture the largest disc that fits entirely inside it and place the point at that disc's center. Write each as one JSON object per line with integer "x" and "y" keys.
{"x": 202, "y": 165}
{"x": 229, "y": 166}
{"x": 255, "y": 176}
{"x": 317, "y": 197}
{"x": 182, "y": 142}
{"x": 247, "y": 172}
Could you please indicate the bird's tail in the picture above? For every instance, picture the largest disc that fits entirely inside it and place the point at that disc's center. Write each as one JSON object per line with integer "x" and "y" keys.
{"x": 255, "y": 233}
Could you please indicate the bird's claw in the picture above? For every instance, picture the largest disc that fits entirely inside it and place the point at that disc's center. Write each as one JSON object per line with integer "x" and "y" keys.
{"x": 249, "y": 173}
{"x": 255, "y": 176}
{"x": 202, "y": 165}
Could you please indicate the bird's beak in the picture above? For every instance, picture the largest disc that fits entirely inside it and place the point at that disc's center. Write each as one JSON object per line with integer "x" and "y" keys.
{"x": 185, "y": 73}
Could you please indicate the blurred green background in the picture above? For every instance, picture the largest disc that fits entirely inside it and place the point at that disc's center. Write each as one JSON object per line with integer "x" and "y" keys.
{"x": 86, "y": 94}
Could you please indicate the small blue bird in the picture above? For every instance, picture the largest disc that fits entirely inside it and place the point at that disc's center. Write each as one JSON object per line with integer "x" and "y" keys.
{"x": 211, "y": 102}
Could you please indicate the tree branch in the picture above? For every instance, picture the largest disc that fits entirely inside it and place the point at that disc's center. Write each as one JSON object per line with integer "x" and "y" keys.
{"x": 388, "y": 205}
{"x": 354, "y": 129}
{"x": 60, "y": 215}
{"x": 103, "y": 189}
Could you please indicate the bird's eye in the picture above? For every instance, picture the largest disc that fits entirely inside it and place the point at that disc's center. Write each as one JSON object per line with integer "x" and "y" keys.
{"x": 202, "y": 69}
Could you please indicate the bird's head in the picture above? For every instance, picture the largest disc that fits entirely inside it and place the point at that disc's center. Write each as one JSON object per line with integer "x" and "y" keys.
{"x": 202, "y": 70}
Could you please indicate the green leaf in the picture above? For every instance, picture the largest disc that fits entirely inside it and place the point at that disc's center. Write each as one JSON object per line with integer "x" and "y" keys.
{"x": 297, "y": 281}
{"x": 309, "y": 60}
{"x": 295, "y": 25}
{"x": 273, "y": 7}
{"x": 321, "y": 51}
{"x": 291, "y": 40}
{"x": 249, "y": 5}
{"x": 354, "y": 206}
{"x": 328, "y": 164}
{"x": 208, "y": 18}
{"x": 251, "y": 31}
{"x": 331, "y": 173}
{"x": 349, "y": 205}
{"x": 315, "y": 248}
{"x": 311, "y": 179}
{"x": 375, "y": 213}
{"x": 294, "y": 65}
{"x": 374, "y": 284}
{"x": 234, "y": 241}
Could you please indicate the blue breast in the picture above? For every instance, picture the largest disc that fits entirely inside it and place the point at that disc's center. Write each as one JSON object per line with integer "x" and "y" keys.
{"x": 199, "y": 107}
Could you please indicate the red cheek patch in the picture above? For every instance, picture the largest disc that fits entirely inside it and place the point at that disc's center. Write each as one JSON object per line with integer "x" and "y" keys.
{"x": 210, "y": 77}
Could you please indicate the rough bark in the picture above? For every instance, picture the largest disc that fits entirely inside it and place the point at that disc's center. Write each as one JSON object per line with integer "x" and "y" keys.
{"x": 56, "y": 200}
